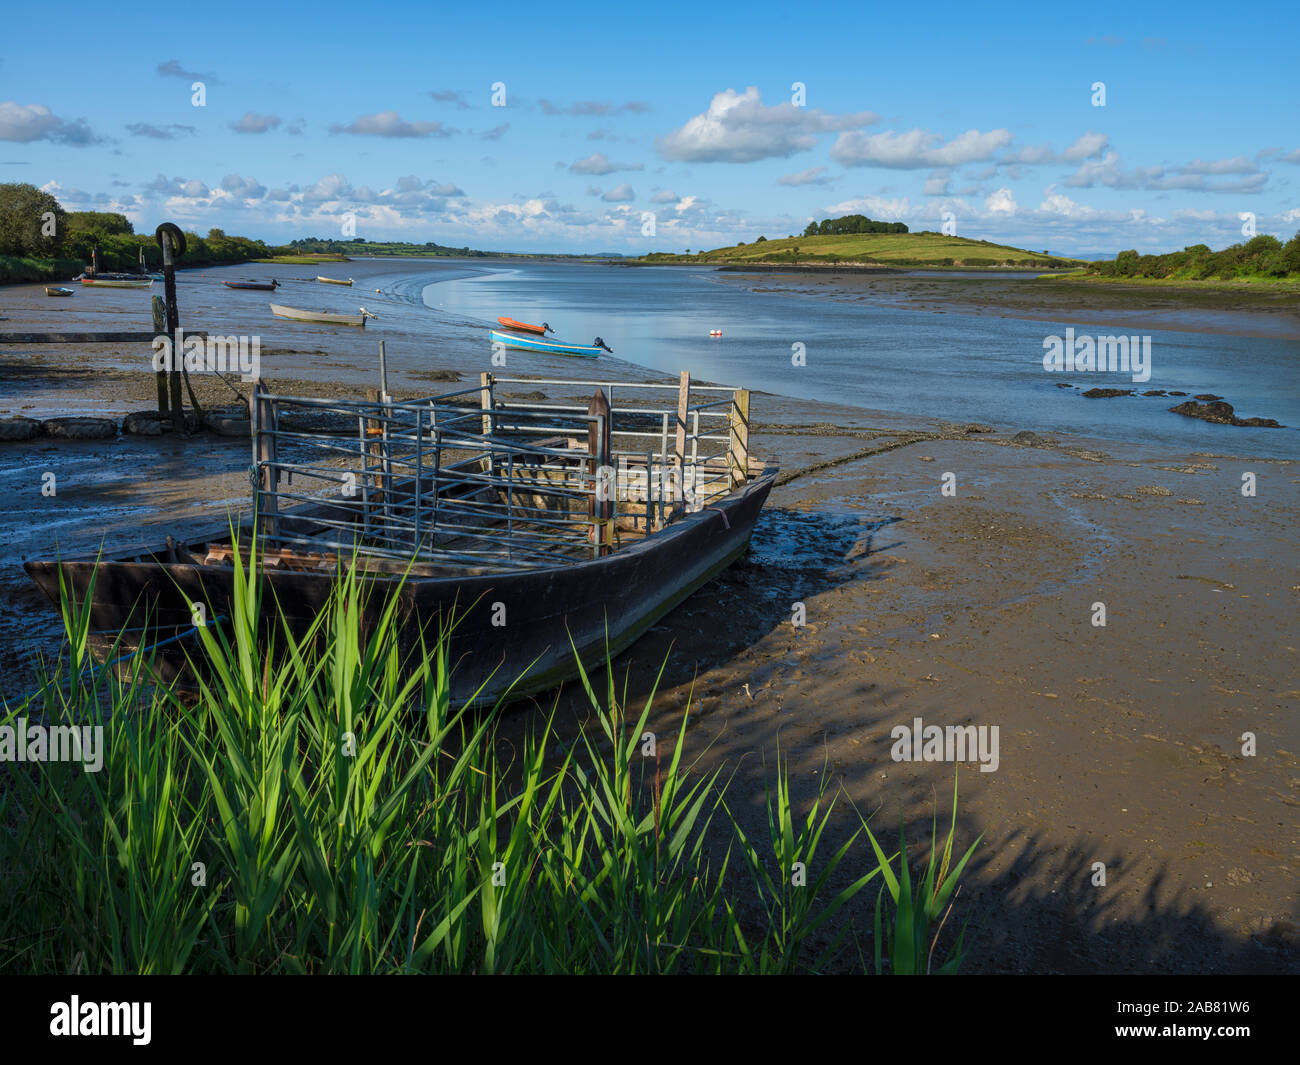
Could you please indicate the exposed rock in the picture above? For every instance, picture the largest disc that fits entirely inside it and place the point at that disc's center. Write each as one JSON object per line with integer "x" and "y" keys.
{"x": 1027, "y": 438}
{"x": 1063, "y": 384}
{"x": 1221, "y": 413}
{"x": 80, "y": 428}
{"x": 145, "y": 423}
{"x": 1107, "y": 393}
{"x": 975, "y": 427}
{"x": 1178, "y": 393}
{"x": 1154, "y": 490}
{"x": 1207, "y": 397}
{"x": 1155, "y": 392}
{"x": 19, "y": 428}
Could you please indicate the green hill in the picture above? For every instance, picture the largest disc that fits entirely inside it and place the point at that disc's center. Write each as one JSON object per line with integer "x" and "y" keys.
{"x": 872, "y": 249}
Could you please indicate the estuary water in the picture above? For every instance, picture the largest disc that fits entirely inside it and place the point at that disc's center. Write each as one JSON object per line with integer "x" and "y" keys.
{"x": 958, "y": 367}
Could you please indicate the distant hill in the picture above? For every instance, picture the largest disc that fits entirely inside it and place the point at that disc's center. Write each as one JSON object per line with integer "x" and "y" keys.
{"x": 868, "y": 249}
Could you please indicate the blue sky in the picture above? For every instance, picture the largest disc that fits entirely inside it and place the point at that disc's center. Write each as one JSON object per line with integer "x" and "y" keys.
{"x": 384, "y": 112}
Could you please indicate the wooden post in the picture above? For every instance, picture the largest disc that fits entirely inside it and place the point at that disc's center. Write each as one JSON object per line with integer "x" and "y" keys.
{"x": 598, "y": 446}
{"x": 679, "y": 444}
{"x": 173, "y": 323}
{"x": 485, "y": 399}
{"x": 160, "y": 329}
{"x": 738, "y": 451}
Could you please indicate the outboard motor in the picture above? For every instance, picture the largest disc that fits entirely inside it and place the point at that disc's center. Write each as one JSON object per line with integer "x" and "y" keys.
{"x": 598, "y": 343}
{"x": 546, "y": 328}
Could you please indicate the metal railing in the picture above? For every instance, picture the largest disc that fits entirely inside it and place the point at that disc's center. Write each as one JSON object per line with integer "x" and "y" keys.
{"x": 474, "y": 481}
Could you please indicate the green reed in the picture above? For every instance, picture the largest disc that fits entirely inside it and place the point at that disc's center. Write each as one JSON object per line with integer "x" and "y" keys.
{"x": 316, "y": 805}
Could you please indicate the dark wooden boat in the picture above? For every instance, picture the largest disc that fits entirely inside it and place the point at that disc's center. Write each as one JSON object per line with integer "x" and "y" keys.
{"x": 511, "y": 532}
{"x": 256, "y": 286}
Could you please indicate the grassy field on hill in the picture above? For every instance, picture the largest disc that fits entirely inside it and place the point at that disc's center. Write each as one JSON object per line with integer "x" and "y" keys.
{"x": 883, "y": 249}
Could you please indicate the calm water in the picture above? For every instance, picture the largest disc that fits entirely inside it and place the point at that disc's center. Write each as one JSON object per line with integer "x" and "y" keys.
{"x": 957, "y": 367}
{"x": 961, "y": 368}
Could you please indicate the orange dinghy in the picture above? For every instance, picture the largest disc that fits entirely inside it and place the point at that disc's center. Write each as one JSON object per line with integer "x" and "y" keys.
{"x": 524, "y": 327}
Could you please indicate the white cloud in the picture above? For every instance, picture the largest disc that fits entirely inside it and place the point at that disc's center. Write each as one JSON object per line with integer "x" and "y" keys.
{"x": 738, "y": 128}
{"x": 917, "y": 149}
{"x": 391, "y": 124}
{"x": 1000, "y": 202}
{"x": 1109, "y": 172}
{"x": 25, "y": 123}
{"x": 620, "y": 194}
{"x": 598, "y": 163}
{"x": 812, "y": 176}
{"x": 253, "y": 123}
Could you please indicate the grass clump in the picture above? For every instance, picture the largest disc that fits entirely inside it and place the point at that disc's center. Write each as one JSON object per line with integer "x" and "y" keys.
{"x": 318, "y": 806}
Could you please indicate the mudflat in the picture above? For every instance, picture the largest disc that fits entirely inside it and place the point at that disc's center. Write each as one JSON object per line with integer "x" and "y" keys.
{"x": 1162, "y": 744}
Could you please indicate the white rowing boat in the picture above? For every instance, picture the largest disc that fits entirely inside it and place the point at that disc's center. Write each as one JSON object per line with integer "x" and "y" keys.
{"x": 333, "y": 281}
{"x": 327, "y": 317}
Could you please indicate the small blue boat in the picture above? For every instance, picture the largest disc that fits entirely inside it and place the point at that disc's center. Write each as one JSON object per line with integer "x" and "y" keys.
{"x": 549, "y": 347}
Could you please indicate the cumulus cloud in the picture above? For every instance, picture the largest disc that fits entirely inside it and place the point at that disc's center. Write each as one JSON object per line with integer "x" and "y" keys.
{"x": 496, "y": 132}
{"x": 620, "y": 194}
{"x": 815, "y": 175}
{"x": 1000, "y": 202}
{"x": 36, "y": 122}
{"x": 665, "y": 196}
{"x": 739, "y": 128}
{"x": 937, "y": 183}
{"x": 1088, "y": 146}
{"x": 254, "y": 123}
{"x": 391, "y": 124}
{"x": 1109, "y": 172}
{"x": 597, "y": 164}
{"x": 186, "y": 188}
{"x": 242, "y": 187}
{"x": 918, "y": 149}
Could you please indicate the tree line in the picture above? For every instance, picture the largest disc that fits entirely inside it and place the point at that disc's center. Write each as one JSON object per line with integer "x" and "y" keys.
{"x": 851, "y": 223}
{"x": 1261, "y": 256}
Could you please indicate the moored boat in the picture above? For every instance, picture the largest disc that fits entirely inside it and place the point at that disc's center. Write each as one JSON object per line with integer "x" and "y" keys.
{"x": 256, "y": 286}
{"x": 54, "y": 290}
{"x": 324, "y": 317}
{"x": 524, "y": 327}
{"x": 497, "y": 512}
{"x": 334, "y": 280}
{"x": 117, "y": 281}
{"x": 549, "y": 347}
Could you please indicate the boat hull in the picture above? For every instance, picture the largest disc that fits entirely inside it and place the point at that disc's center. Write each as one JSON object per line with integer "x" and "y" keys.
{"x": 320, "y": 317}
{"x": 253, "y": 286}
{"x": 600, "y": 604}
{"x": 547, "y": 347}
{"x": 334, "y": 281}
{"x": 521, "y": 327}
{"x": 102, "y": 283}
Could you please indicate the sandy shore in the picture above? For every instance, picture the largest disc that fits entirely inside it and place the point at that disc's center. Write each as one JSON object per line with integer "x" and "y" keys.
{"x": 1118, "y": 745}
